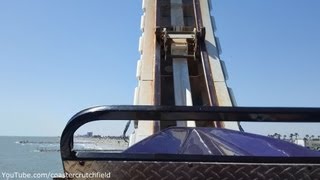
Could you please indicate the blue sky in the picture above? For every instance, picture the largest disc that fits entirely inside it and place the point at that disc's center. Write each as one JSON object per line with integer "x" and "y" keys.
{"x": 59, "y": 57}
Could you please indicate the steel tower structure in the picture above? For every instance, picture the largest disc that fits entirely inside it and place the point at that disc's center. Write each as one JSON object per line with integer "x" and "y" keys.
{"x": 180, "y": 63}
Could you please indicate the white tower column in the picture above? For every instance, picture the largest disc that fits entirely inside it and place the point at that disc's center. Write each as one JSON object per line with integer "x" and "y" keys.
{"x": 182, "y": 88}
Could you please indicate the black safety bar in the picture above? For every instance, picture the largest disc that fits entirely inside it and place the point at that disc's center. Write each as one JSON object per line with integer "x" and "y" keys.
{"x": 182, "y": 113}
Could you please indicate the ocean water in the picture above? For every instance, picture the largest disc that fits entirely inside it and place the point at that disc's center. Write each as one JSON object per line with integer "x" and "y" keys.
{"x": 29, "y": 155}
{"x": 40, "y": 155}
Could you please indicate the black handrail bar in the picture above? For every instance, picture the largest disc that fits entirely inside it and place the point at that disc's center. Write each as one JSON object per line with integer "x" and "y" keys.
{"x": 182, "y": 113}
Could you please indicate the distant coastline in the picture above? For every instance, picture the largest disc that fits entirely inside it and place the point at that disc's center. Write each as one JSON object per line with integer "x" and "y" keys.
{"x": 81, "y": 143}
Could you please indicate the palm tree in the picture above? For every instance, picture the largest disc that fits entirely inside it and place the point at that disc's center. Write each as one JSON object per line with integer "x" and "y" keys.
{"x": 291, "y": 135}
{"x": 307, "y": 136}
{"x": 296, "y": 135}
{"x": 284, "y": 137}
{"x": 275, "y": 135}
{"x": 312, "y": 137}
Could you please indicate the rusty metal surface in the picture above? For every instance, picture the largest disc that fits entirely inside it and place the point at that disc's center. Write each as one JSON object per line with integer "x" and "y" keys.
{"x": 176, "y": 170}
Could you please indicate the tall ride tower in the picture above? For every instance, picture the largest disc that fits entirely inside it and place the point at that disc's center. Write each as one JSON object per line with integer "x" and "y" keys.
{"x": 179, "y": 64}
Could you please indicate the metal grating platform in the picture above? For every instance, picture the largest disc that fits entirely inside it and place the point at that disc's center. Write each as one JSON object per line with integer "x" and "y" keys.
{"x": 196, "y": 170}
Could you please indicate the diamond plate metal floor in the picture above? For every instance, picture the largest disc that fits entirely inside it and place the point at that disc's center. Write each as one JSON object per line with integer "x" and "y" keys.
{"x": 196, "y": 170}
